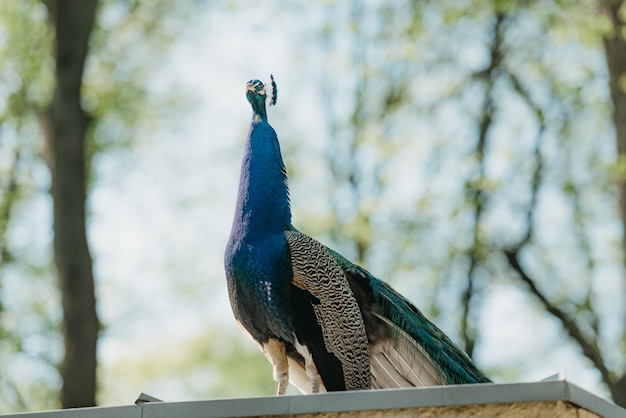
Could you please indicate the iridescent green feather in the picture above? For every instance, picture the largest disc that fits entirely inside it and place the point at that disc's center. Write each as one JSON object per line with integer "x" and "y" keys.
{"x": 450, "y": 360}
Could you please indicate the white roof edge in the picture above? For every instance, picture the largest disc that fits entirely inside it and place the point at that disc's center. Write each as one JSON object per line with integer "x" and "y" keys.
{"x": 456, "y": 395}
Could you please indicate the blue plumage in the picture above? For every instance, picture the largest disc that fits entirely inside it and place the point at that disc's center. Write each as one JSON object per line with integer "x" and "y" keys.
{"x": 322, "y": 321}
{"x": 257, "y": 260}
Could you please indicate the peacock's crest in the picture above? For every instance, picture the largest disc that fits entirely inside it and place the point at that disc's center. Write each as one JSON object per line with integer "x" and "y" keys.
{"x": 274, "y": 91}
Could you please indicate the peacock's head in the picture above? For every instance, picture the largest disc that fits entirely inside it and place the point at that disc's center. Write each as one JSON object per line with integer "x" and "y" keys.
{"x": 257, "y": 94}
{"x": 255, "y": 89}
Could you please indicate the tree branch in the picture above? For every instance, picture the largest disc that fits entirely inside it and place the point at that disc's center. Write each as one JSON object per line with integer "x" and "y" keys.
{"x": 9, "y": 196}
{"x": 569, "y": 324}
{"x": 477, "y": 194}
{"x": 589, "y": 347}
{"x": 537, "y": 176}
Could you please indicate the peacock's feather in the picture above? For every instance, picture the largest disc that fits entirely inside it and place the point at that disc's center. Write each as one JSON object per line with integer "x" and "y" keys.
{"x": 336, "y": 310}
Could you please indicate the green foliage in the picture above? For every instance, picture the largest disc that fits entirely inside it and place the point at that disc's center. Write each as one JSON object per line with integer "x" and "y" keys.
{"x": 127, "y": 44}
{"x": 618, "y": 169}
{"x": 213, "y": 364}
{"x": 405, "y": 87}
{"x": 25, "y": 86}
{"x": 502, "y": 113}
{"x": 26, "y": 66}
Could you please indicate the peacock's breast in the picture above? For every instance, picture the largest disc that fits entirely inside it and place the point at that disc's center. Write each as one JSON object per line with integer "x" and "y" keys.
{"x": 259, "y": 275}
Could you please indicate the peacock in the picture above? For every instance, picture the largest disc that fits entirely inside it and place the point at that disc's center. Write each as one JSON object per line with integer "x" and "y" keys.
{"x": 323, "y": 322}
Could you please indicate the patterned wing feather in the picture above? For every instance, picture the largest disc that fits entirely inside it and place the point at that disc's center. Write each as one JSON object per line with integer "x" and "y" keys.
{"x": 336, "y": 311}
{"x": 451, "y": 362}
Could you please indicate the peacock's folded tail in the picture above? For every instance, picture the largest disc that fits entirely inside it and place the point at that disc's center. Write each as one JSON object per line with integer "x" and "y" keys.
{"x": 418, "y": 341}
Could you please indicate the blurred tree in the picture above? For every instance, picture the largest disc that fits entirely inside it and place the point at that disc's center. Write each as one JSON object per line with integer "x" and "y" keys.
{"x": 219, "y": 363}
{"x": 25, "y": 86}
{"x": 511, "y": 175}
{"x": 615, "y": 46}
{"x": 471, "y": 144}
{"x": 65, "y": 126}
{"x": 76, "y": 69}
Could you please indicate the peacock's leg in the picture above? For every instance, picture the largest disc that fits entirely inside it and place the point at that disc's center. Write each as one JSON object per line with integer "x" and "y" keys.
{"x": 313, "y": 374}
{"x": 275, "y": 351}
{"x": 311, "y": 369}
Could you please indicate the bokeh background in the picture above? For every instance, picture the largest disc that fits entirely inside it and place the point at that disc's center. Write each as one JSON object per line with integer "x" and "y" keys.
{"x": 467, "y": 152}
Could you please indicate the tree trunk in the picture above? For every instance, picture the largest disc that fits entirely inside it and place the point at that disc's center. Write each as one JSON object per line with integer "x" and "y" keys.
{"x": 65, "y": 125}
{"x": 615, "y": 46}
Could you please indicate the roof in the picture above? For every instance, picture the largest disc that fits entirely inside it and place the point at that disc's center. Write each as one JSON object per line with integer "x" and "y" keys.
{"x": 546, "y": 398}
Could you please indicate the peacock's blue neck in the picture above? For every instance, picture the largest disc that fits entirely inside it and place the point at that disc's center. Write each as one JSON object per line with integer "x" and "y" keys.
{"x": 263, "y": 201}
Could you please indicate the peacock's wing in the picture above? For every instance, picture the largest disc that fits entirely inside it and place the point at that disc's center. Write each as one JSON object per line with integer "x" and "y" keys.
{"x": 327, "y": 317}
{"x": 419, "y": 351}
